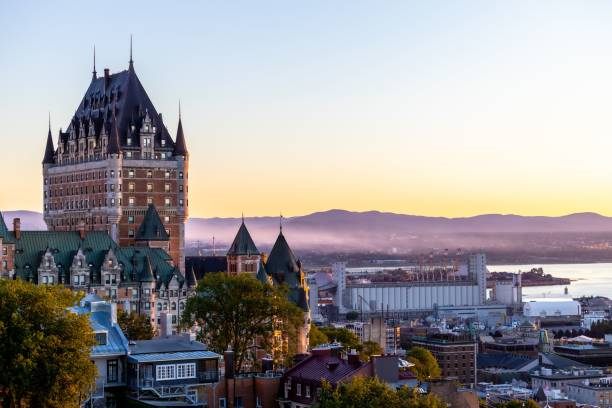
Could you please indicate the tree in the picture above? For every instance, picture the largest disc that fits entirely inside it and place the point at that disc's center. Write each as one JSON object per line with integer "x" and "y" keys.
{"x": 44, "y": 348}
{"x": 369, "y": 349}
{"x": 316, "y": 336}
{"x": 135, "y": 326}
{"x": 425, "y": 364}
{"x": 370, "y": 392}
{"x": 242, "y": 313}
{"x": 343, "y": 336}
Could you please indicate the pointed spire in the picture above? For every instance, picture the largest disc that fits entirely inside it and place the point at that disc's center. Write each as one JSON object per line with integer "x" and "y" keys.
{"x": 192, "y": 282}
{"x": 180, "y": 149}
{"x": 280, "y": 223}
{"x": 243, "y": 243}
{"x": 152, "y": 228}
{"x": 49, "y": 150}
{"x": 148, "y": 275}
{"x": 113, "y": 146}
{"x": 131, "y": 60}
{"x": 94, "y": 74}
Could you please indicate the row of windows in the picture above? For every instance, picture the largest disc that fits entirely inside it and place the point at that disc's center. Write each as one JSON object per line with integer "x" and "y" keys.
{"x": 100, "y": 175}
{"x": 85, "y": 204}
{"x": 80, "y": 190}
{"x": 175, "y": 371}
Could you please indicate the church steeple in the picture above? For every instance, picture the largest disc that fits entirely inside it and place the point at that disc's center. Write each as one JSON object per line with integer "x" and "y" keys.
{"x": 49, "y": 150}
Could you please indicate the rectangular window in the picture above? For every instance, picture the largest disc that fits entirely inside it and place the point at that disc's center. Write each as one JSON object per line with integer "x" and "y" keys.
{"x": 165, "y": 372}
{"x": 222, "y": 403}
{"x": 298, "y": 390}
{"x": 131, "y": 173}
{"x": 149, "y": 187}
{"x": 187, "y": 370}
{"x": 149, "y": 174}
{"x": 130, "y": 219}
{"x": 167, "y": 188}
{"x": 167, "y": 202}
{"x": 167, "y": 174}
{"x": 131, "y": 201}
{"x": 112, "y": 371}
{"x": 149, "y": 200}
{"x": 131, "y": 187}
{"x": 131, "y": 233}
{"x": 101, "y": 339}
{"x": 308, "y": 391}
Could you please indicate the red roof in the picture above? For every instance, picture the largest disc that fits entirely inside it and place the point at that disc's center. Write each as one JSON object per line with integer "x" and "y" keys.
{"x": 324, "y": 364}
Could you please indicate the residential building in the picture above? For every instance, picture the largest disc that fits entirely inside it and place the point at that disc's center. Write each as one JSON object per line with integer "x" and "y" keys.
{"x": 301, "y": 384}
{"x": 172, "y": 369}
{"x": 597, "y": 393}
{"x": 110, "y": 350}
{"x": 561, "y": 379}
{"x": 456, "y": 354}
{"x": 115, "y": 158}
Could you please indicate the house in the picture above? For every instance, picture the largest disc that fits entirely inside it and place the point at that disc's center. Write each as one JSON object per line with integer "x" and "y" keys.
{"x": 301, "y": 384}
{"x": 110, "y": 350}
{"x": 174, "y": 370}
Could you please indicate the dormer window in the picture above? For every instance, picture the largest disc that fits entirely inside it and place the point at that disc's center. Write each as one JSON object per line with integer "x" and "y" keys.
{"x": 101, "y": 338}
{"x": 163, "y": 142}
{"x": 129, "y": 141}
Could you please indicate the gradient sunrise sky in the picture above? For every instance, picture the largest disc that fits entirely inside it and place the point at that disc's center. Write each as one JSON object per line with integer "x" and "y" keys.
{"x": 448, "y": 108}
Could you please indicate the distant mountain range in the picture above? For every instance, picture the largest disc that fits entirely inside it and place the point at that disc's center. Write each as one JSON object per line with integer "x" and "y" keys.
{"x": 372, "y": 230}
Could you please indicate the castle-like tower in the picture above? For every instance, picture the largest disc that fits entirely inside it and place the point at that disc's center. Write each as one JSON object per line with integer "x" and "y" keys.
{"x": 115, "y": 158}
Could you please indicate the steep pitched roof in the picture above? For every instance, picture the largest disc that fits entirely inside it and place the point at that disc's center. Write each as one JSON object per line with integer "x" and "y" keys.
{"x": 192, "y": 282}
{"x": 123, "y": 92}
{"x": 152, "y": 227}
{"x": 282, "y": 263}
{"x": 49, "y": 150}
{"x": 180, "y": 149}
{"x": 113, "y": 146}
{"x": 4, "y": 232}
{"x": 148, "y": 276}
{"x": 262, "y": 275}
{"x": 243, "y": 243}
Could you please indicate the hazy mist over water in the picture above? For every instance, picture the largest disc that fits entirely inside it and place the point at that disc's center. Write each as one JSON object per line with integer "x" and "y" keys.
{"x": 594, "y": 279}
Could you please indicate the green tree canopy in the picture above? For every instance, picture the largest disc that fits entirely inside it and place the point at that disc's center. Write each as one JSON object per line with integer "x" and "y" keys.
{"x": 135, "y": 326}
{"x": 237, "y": 311}
{"x": 316, "y": 336}
{"x": 44, "y": 348}
{"x": 370, "y": 392}
{"x": 369, "y": 349}
{"x": 425, "y": 364}
{"x": 342, "y": 335}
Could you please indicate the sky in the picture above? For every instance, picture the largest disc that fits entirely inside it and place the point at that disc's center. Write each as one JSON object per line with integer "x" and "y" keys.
{"x": 445, "y": 108}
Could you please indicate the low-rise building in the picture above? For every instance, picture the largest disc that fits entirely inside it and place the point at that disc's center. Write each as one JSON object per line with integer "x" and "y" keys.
{"x": 456, "y": 354}
{"x": 173, "y": 369}
{"x": 597, "y": 393}
{"x": 547, "y": 378}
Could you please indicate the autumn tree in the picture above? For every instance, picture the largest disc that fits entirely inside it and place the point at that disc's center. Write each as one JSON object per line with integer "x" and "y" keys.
{"x": 239, "y": 312}
{"x": 316, "y": 336}
{"x": 342, "y": 335}
{"x": 425, "y": 364}
{"x": 135, "y": 326}
{"x": 369, "y": 349}
{"x": 370, "y": 392}
{"x": 44, "y": 347}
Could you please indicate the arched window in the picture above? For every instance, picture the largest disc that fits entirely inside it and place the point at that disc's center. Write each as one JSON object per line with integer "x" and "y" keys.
{"x": 173, "y": 305}
{"x": 159, "y": 306}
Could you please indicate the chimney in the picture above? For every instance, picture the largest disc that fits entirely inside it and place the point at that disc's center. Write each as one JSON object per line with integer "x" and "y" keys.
{"x": 106, "y": 78}
{"x": 17, "y": 228}
{"x": 81, "y": 229}
{"x": 267, "y": 363}
{"x": 353, "y": 357}
{"x": 228, "y": 357}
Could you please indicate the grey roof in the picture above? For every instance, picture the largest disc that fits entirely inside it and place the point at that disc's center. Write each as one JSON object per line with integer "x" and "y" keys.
{"x": 181, "y": 146}
{"x": 186, "y": 355}
{"x": 49, "y": 149}
{"x": 243, "y": 243}
{"x": 152, "y": 228}
{"x": 170, "y": 344}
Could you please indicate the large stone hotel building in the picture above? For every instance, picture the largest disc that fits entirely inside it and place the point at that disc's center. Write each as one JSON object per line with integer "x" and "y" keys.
{"x": 115, "y": 158}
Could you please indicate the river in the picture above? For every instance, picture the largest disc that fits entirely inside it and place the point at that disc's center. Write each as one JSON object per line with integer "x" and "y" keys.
{"x": 587, "y": 279}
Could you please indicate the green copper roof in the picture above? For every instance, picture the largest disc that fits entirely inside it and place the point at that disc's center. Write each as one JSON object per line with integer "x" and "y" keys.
{"x": 262, "y": 275}
{"x": 243, "y": 243}
{"x": 152, "y": 228}
{"x": 64, "y": 245}
{"x": 4, "y": 232}
{"x": 281, "y": 263}
{"x": 285, "y": 269}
